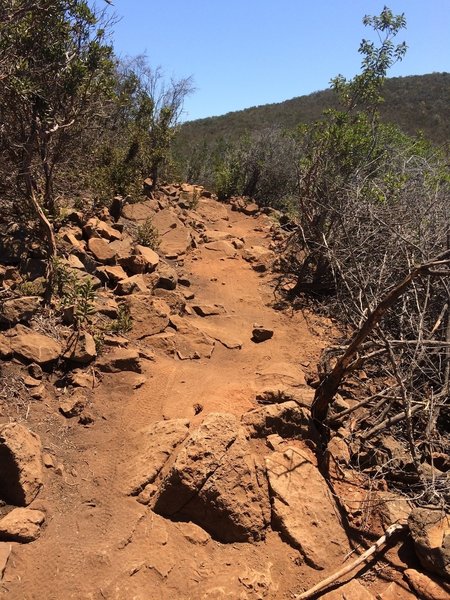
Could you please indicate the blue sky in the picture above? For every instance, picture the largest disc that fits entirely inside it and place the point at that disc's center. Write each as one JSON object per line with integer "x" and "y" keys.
{"x": 244, "y": 53}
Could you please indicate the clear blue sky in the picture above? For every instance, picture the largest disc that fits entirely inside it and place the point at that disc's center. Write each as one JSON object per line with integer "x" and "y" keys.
{"x": 244, "y": 53}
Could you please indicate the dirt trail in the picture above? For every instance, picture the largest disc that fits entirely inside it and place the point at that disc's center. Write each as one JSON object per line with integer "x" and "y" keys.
{"x": 100, "y": 543}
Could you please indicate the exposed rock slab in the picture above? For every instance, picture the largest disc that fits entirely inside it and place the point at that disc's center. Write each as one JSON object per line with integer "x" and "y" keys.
{"x": 20, "y": 464}
{"x": 120, "y": 359}
{"x": 215, "y": 482}
{"x": 353, "y": 590}
{"x": 303, "y": 508}
{"x": 175, "y": 237}
{"x": 286, "y": 419}
{"x": 430, "y": 531}
{"x": 190, "y": 342}
{"x": 19, "y": 310}
{"x": 427, "y": 588}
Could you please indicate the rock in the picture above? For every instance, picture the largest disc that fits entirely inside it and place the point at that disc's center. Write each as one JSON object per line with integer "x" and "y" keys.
{"x": 32, "y": 346}
{"x": 150, "y": 315}
{"x": 430, "y": 531}
{"x": 122, "y": 248}
{"x": 111, "y": 274}
{"x": 395, "y": 591}
{"x": 212, "y": 211}
{"x": 175, "y": 237}
{"x": 250, "y": 209}
{"x": 223, "y": 247}
{"x": 20, "y": 464}
{"x": 127, "y": 286}
{"x": 167, "y": 277}
{"x": 73, "y": 405}
{"x": 21, "y": 525}
{"x": 190, "y": 342}
{"x": 286, "y": 419}
{"x": 259, "y": 257}
{"x": 194, "y": 534}
{"x": 82, "y": 379}
{"x": 102, "y": 251}
{"x": 353, "y": 590}
{"x": 81, "y": 348}
{"x": 149, "y": 256}
{"x": 425, "y": 587}
{"x": 208, "y": 310}
{"x": 391, "y": 507}
{"x": 73, "y": 262}
{"x": 5, "y": 552}
{"x": 31, "y": 382}
{"x": 120, "y": 359}
{"x": 303, "y": 508}
{"x": 174, "y": 300}
{"x": 159, "y": 441}
{"x": 261, "y": 334}
{"x": 274, "y": 375}
{"x": 115, "y": 209}
{"x": 5, "y": 347}
{"x": 35, "y": 371}
{"x": 134, "y": 264}
{"x": 96, "y": 228}
{"x": 138, "y": 211}
{"x": 19, "y": 310}
{"x": 216, "y": 482}
{"x": 221, "y": 332}
{"x": 259, "y": 583}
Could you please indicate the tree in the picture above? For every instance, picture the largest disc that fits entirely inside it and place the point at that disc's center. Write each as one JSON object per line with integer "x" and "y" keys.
{"x": 56, "y": 69}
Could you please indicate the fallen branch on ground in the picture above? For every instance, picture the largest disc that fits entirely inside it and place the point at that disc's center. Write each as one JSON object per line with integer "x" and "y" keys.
{"x": 347, "y": 569}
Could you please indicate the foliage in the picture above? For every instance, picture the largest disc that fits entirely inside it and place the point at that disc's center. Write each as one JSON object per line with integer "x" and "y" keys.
{"x": 124, "y": 322}
{"x": 75, "y": 293}
{"x": 147, "y": 235}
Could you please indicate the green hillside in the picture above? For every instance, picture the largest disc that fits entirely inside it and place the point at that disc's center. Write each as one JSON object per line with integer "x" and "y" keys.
{"x": 415, "y": 103}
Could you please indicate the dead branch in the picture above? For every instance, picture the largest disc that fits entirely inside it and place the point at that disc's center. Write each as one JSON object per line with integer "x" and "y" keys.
{"x": 390, "y": 421}
{"x": 397, "y": 527}
{"x": 330, "y": 384}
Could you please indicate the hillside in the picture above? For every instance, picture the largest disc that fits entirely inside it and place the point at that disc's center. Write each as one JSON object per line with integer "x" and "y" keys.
{"x": 415, "y": 103}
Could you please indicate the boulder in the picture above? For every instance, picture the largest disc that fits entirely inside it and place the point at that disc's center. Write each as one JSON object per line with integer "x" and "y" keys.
{"x": 303, "y": 508}
{"x": 81, "y": 348}
{"x": 190, "y": 342}
{"x": 430, "y": 531}
{"x": 149, "y": 256}
{"x": 119, "y": 359}
{"x": 250, "y": 209}
{"x": 97, "y": 228}
{"x": 426, "y": 588}
{"x": 33, "y": 346}
{"x": 159, "y": 441}
{"x": 21, "y": 525}
{"x": 19, "y": 310}
{"x": 175, "y": 237}
{"x": 102, "y": 251}
{"x": 150, "y": 315}
{"x": 138, "y": 212}
{"x": 73, "y": 405}
{"x": 111, "y": 274}
{"x": 20, "y": 464}
{"x": 216, "y": 482}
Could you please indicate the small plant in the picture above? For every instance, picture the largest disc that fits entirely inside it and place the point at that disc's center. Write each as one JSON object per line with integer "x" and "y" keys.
{"x": 147, "y": 235}
{"x": 123, "y": 322}
{"x": 83, "y": 297}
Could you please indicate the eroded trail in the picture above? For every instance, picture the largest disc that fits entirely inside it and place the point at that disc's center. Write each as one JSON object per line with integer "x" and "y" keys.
{"x": 99, "y": 542}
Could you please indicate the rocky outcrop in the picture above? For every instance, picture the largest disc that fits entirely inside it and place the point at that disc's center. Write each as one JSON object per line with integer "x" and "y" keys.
{"x": 150, "y": 315}
{"x": 19, "y": 310}
{"x": 216, "y": 482}
{"x": 20, "y": 464}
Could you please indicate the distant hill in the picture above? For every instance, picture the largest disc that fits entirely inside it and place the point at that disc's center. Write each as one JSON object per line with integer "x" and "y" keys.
{"x": 415, "y": 103}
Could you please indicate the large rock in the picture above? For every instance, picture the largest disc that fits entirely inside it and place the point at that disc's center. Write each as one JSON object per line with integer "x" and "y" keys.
{"x": 149, "y": 256}
{"x": 426, "y": 588}
{"x": 353, "y": 590}
{"x": 81, "y": 348}
{"x": 19, "y": 310}
{"x": 430, "y": 531}
{"x": 33, "y": 346}
{"x": 97, "y": 228}
{"x": 150, "y": 315}
{"x": 159, "y": 441}
{"x": 20, "y": 464}
{"x": 190, "y": 342}
{"x": 120, "y": 359}
{"x": 102, "y": 251}
{"x": 21, "y": 525}
{"x": 138, "y": 211}
{"x": 303, "y": 508}
{"x": 175, "y": 237}
{"x": 216, "y": 482}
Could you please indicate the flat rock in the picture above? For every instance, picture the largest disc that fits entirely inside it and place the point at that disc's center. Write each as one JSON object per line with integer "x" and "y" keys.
{"x": 175, "y": 237}
{"x": 129, "y": 285}
{"x": 273, "y": 374}
{"x": 222, "y": 247}
{"x": 211, "y": 210}
{"x": 220, "y": 331}
{"x": 208, "y": 310}
{"x": 101, "y": 250}
{"x": 190, "y": 342}
{"x": 138, "y": 211}
{"x": 5, "y": 552}
{"x": 430, "y": 531}
{"x": 303, "y": 508}
{"x": 150, "y": 315}
{"x": 33, "y": 346}
{"x": 19, "y": 310}
{"x": 21, "y": 525}
{"x": 119, "y": 359}
{"x": 158, "y": 442}
{"x": 215, "y": 482}
{"x": 20, "y": 464}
